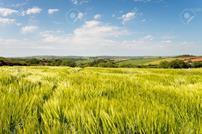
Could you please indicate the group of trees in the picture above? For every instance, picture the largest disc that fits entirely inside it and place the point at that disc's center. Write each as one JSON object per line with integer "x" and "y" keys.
{"x": 179, "y": 64}
{"x": 102, "y": 63}
{"x": 51, "y": 62}
{"x": 164, "y": 64}
{"x": 92, "y": 63}
{"x": 37, "y": 62}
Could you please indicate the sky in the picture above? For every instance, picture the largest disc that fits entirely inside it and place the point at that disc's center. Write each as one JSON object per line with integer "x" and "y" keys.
{"x": 100, "y": 27}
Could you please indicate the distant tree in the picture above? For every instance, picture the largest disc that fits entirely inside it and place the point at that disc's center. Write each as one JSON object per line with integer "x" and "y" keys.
{"x": 196, "y": 64}
{"x": 70, "y": 63}
{"x": 174, "y": 64}
{"x": 102, "y": 63}
{"x": 164, "y": 64}
{"x": 185, "y": 55}
{"x": 2, "y": 63}
{"x": 126, "y": 65}
{"x": 34, "y": 61}
{"x": 178, "y": 64}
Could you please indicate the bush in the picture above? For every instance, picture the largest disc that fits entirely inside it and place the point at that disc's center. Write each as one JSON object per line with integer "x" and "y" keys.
{"x": 102, "y": 63}
{"x": 164, "y": 64}
{"x": 174, "y": 64}
{"x": 197, "y": 64}
{"x": 179, "y": 64}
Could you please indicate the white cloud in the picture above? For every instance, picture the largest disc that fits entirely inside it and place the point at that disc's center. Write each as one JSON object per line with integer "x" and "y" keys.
{"x": 7, "y": 21}
{"x": 128, "y": 17}
{"x": 29, "y": 29}
{"x": 52, "y": 11}
{"x": 7, "y": 12}
{"x": 51, "y": 37}
{"x": 167, "y": 41}
{"x": 94, "y": 38}
{"x": 97, "y": 38}
{"x": 97, "y": 16}
{"x": 91, "y": 33}
{"x": 34, "y": 10}
{"x": 76, "y": 2}
{"x": 8, "y": 41}
{"x": 97, "y": 29}
{"x": 148, "y": 37}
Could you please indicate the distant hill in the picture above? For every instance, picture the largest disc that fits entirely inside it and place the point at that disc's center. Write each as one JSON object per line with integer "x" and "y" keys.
{"x": 98, "y": 61}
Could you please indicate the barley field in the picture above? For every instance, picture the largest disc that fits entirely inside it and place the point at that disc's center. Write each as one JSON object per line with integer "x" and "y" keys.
{"x": 100, "y": 100}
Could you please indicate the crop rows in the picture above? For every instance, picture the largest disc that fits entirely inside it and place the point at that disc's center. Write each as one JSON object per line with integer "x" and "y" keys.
{"x": 98, "y": 100}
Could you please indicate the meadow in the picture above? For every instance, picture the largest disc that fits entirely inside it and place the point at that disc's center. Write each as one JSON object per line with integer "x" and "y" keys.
{"x": 100, "y": 100}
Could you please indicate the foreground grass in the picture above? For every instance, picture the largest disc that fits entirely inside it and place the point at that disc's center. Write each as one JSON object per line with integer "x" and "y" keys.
{"x": 96, "y": 100}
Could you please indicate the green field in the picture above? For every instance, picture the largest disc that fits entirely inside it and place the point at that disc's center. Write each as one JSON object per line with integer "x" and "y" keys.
{"x": 97, "y": 100}
{"x": 138, "y": 61}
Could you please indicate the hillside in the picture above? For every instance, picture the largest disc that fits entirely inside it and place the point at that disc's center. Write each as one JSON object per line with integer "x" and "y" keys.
{"x": 100, "y": 61}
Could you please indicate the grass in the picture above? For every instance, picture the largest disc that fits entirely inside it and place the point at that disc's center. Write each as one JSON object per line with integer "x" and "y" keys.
{"x": 98, "y": 100}
{"x": 163, "y": 59}
{"x": 138, "y": 61}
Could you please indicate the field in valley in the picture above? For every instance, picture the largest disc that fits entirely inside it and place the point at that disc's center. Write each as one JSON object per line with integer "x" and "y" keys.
{"x": 100, "y": 100}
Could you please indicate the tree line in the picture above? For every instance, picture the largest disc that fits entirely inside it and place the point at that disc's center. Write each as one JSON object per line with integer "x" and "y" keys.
{"x": 179, "y": 64}
{"x": 93, "y": 63}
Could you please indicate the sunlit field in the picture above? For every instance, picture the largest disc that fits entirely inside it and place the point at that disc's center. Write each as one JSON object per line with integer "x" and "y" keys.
{"x": 97, "y": 100}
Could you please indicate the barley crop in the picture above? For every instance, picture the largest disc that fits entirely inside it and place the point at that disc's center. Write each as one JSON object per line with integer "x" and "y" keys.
{"x": 100, "y": 100}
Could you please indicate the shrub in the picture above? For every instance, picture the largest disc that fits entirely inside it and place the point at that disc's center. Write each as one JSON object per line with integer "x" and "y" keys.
{"x": 174, "y": 64}
{"x": 197, "y": 64}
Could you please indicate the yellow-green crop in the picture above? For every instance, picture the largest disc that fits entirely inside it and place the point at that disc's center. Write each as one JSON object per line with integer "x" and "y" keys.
{"x": 97, "y": 100}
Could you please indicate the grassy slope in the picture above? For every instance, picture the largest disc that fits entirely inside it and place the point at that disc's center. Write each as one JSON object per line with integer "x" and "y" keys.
{"x": 155, "y": 61}
{"x": 158, "y": 61}
{"x": 96, "y": 100}
{"x": 186, "y": 59}
{"x": 138, "y": 61}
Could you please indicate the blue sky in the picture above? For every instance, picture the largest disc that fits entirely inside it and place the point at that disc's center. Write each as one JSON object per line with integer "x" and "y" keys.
{"x": 100, "y": 27}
